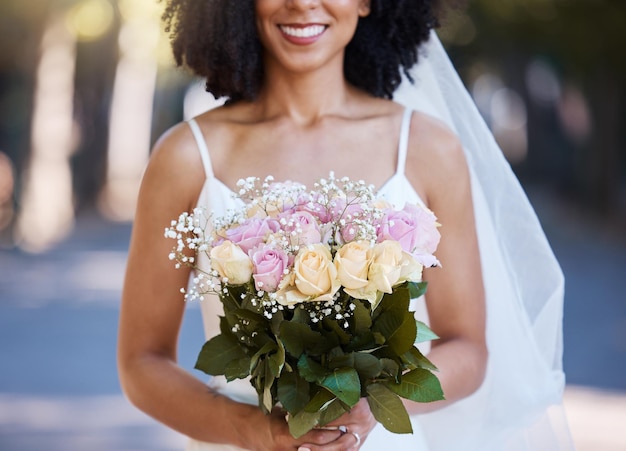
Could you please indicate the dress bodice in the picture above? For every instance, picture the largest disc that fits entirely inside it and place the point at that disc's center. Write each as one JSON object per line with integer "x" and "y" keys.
{"x": 216, "y": 197}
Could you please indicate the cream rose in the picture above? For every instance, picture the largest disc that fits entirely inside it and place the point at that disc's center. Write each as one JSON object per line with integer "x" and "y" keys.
{"x": 352, "y": 262}
{"x": 314, "y": 277}
{"x": 386, "y": 267}
{"x": 411, "y": 269}
{"x": 231, "y": 262}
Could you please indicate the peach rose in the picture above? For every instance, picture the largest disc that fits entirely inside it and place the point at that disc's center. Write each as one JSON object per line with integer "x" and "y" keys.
{"x": 314, "y": 277}
{"x": 410, "y": 269}
{"x": 386, "y": 267}
{"x": 352, "y": 262}
{"x": 232, "y": 263}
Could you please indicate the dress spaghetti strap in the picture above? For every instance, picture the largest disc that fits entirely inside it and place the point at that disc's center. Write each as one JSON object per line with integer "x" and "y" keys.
{"x": 202, "y": 147}
{"x": 403, "y": 143}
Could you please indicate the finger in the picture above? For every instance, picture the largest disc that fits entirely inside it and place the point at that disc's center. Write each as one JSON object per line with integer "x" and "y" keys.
{"x": 347, "y": 441}
{"x": 341, "y": 428}
{"x": 321, "y": 436}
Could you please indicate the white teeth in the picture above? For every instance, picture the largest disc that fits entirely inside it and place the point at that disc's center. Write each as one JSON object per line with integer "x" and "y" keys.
{"x": 307, "y": 32}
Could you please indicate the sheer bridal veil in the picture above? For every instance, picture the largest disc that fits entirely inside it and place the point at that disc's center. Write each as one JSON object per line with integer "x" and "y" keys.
{"x": 518, "y": 406}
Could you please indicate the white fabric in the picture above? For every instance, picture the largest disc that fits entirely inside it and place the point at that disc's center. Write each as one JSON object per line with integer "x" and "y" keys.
{"x": 218, "y": 198}
{"x": 202, "y": 147}
{"x": 518, "y": 406}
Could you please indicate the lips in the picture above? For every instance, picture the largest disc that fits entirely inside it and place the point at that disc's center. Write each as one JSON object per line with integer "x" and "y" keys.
{"x": 302, "y": 34}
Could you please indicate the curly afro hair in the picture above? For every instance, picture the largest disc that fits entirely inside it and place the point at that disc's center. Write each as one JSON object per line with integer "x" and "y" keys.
{"x": 217, "y": 40}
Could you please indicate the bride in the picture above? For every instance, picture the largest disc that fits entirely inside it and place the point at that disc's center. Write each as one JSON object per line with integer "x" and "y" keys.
{"x": 310, "y": 84}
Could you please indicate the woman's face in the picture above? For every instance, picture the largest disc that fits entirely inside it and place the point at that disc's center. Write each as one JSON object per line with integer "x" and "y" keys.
{"x": 301, "y": 35}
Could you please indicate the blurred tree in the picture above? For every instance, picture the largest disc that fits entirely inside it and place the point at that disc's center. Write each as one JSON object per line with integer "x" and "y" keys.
{"x": 584, "y": 40}
{"x": 20, "y": 33}
{"x": 96, "y": 61}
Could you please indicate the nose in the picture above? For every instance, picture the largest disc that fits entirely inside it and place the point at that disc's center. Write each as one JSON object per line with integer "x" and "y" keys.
{"x": 302, "y": 4}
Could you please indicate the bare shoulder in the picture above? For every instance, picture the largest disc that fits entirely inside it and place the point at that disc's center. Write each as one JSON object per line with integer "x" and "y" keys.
{"x": 175, "y": 165}
{"x": 435, "y": 155}
{"x": 432, "y": 139}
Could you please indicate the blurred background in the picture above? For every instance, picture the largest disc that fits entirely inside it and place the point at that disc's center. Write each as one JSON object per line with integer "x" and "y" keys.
{"x": 86, "y": 86}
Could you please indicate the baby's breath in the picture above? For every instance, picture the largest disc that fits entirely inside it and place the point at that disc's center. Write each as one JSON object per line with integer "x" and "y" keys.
{"x": 344, "y": 210}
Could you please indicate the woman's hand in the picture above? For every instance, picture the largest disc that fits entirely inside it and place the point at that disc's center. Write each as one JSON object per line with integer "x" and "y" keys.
{"x": 280, "y": 439}
{"x": 354, "y": 427}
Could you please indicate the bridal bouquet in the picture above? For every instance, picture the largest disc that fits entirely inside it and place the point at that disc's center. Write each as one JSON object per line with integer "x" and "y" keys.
{"x": 315, "y": 287}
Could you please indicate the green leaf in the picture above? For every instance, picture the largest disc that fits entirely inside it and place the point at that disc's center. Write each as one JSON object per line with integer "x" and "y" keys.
{"x": 362, "y": 342}
{"x": 300, "y": 315}
{"x": 424, "y": 333}
{"x": 302, "y": 422}
{"x": 417, "y": 290}
{"x": 361, "y": 317}
{"x": 397, "y": 301}
{"x": 320, "y": 400}
{"x": 257, "y": 374}
{"x": 297, "y": 337}
{"x": 277, "y": 360}
{"x": 379, "y": 338}
{"x": 226, "y": 326}
{"x": 366, "y": 364}
{"x": 310, "y": 370}
{"x": 277, "y": 319}
{"x": 419, "y": 385}
{"x": 415, "y": 359}
{"x": 398, "y": 328}
{"x": 391, "y": 367}
{"x": 237, "y": 369}
{"x": 336, "y": 331}
{"x": 268, "y": 393}
{"x": 265, "y": 349}
{"x": 217, "y": 353}
{"x": 293, "y": 392}
{"x": 332, "y": 411}
{"x": 232, "y": 297}
{"x": 388, "y": 409}
{"x": 335, "y": 353}
{"x": 344, "y": 384}
{"x": 254, "y": 319}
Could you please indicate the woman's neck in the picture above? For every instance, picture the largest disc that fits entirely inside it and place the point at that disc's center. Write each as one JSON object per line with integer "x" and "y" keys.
{"x": 305, "y": 97}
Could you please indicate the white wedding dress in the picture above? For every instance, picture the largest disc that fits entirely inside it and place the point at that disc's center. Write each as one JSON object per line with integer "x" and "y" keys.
{"x": 518, "y": 407}
{"x": 217, "y": 197}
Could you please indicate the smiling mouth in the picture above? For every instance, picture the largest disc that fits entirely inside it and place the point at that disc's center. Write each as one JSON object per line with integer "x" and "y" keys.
{"x": 303, "y": 32}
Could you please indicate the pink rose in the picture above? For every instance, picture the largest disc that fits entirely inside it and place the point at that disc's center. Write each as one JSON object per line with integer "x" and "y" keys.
{"x": 316, "y": 205}
{"x": 252, "y": 232}
{"x": 302, "y": 228}
{"x": 348, "y": 228}
{"x": 415, "y": 228}
{"x": 269, "y": 267}
{"x": 324, "y": 209}
{"x": 289, "y": 194}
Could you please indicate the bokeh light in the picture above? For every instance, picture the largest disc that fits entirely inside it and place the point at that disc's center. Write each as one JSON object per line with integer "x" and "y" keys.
{"x": 542, "y": 83}
{"x": 574, "y": 114}
{"x": 90, "y": 19}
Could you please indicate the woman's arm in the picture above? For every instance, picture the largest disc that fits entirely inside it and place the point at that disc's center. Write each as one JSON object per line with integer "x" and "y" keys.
{"x": 455, "y": 298}
{"x": 152, "y": 310}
